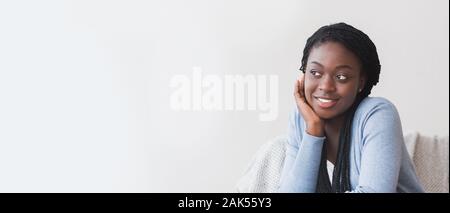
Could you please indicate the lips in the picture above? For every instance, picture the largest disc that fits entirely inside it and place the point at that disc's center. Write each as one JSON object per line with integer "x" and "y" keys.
{"x": 326, "y": 102}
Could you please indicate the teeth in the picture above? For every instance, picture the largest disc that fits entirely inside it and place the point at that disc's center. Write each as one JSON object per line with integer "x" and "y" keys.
{"x": 324, "y": 100}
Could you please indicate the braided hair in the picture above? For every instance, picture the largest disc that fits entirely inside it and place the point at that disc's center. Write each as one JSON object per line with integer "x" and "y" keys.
{"x": 360, "y": 44}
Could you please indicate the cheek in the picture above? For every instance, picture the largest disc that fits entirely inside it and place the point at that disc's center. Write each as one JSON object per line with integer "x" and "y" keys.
{"x": 309, "y": 89}
{"x": 349, "y": 96}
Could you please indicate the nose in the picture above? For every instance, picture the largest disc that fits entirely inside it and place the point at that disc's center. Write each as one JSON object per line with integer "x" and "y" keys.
{"x": 327, "y": 84}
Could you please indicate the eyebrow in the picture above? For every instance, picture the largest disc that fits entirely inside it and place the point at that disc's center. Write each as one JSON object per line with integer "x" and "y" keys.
{"x": 338, "y": 67}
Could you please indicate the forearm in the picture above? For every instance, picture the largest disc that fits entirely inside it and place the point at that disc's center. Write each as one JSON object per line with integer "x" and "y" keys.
{"x": 302, "y": 175}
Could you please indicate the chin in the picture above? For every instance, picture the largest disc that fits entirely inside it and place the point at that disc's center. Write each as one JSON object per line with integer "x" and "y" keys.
{"x": 326, "y": 114}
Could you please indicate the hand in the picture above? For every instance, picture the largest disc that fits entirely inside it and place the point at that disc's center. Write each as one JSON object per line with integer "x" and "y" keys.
{"x": 314, "y": 124}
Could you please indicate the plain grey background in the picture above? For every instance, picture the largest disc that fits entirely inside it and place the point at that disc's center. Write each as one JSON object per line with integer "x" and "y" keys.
{"x": 84, "y": 85}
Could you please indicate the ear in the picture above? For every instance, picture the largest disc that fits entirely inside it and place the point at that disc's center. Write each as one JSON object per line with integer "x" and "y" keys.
{"x": 362, "y": 82}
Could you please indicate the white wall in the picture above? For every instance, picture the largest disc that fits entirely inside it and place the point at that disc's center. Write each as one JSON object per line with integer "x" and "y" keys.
{"x": 84, "y": 85}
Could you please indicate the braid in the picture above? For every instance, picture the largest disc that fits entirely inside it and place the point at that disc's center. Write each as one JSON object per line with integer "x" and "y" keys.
{"x": 323, "y": 183}
{"x": 360, "y": 44}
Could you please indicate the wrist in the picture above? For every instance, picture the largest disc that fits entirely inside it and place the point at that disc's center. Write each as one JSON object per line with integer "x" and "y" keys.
{"x": 315, "y": 129}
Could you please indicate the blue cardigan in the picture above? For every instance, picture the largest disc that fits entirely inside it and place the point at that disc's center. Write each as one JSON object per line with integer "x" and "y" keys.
{"x": 379, "y": 161}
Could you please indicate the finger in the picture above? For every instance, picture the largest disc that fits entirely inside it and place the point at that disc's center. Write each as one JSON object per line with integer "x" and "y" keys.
{"x": 297, "y": 94}
{"x": 301, "y": 103}
{"x": 303, "y": 106}
{"x": 301, "y": 86}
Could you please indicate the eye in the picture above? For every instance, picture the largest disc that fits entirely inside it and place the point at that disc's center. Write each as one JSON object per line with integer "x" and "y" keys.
{"x": 341, "y": 77}
{"x": 315, "y": 73}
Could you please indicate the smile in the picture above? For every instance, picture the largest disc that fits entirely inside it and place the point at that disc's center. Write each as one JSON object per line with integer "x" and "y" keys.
{"x": 326, "y": 103}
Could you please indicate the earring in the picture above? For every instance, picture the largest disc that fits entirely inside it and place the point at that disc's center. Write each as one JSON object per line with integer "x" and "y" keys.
{"x": 360, "y": 90}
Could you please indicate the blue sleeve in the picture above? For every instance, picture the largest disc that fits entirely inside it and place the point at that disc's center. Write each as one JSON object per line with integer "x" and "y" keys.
{"x": 382, "y": 139}
{"x": 302, "y": 161}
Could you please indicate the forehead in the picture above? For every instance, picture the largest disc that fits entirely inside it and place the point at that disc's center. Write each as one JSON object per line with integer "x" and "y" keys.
{"x": 332, "y": 54}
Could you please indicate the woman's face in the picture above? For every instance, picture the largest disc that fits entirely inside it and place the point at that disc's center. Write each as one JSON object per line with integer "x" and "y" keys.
{"x": 332, "y": 79}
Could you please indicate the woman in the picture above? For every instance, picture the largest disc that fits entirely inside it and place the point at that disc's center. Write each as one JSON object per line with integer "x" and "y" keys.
{"x": 339, "y": 139}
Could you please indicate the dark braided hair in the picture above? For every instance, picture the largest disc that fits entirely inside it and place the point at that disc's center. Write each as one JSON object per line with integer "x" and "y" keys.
{"x": 360, "y": 44}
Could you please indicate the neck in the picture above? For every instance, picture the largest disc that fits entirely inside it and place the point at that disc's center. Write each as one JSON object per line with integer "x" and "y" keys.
{"x": 335, "y": 124}
{"x": 332, "y": 131}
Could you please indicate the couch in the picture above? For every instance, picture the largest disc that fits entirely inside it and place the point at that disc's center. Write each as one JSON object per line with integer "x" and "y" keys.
{"x": 429, "y": 154}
